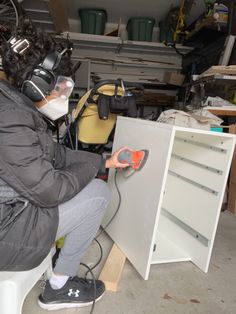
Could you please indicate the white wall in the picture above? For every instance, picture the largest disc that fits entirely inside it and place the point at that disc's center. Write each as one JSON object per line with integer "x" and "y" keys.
{"x": 116, "y": 10}
{"x": 125, "y": 9}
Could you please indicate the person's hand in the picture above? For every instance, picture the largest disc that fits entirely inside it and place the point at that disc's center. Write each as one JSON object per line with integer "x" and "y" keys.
{"x": 113, "y": 161}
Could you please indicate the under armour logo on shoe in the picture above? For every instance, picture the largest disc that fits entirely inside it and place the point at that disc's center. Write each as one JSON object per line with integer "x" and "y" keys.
{"x": 74, "y": 293}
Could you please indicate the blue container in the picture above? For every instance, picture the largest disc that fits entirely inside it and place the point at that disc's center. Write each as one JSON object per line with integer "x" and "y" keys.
{"x": 217, "y": 129}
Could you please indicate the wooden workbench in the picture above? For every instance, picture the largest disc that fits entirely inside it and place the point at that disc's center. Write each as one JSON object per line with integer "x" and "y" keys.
{"x": 223, "y": 112}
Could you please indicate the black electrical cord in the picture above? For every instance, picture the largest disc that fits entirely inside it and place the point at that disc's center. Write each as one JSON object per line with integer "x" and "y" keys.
{"x": 90, "y": 269}
{"x": 103, "y": 229}
{"x": 69, "y": 133}
{"x": 173, "y": 45}
{"x": 94, "y": 285}
{"x": 117, "y": 209}
{"x": 99, "y": 260}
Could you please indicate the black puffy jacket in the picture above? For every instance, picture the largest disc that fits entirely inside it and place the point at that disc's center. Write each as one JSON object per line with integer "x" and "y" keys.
{"x": 44, "y": 174}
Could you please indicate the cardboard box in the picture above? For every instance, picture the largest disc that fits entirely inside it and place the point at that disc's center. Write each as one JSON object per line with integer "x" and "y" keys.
{"x": 173, "y": 78}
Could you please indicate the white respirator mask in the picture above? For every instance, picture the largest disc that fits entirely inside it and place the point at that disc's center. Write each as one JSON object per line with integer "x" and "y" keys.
{"x": 58, "y": 106}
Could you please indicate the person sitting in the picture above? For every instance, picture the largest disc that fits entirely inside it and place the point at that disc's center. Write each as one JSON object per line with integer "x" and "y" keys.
{"x": 47, "y": 191}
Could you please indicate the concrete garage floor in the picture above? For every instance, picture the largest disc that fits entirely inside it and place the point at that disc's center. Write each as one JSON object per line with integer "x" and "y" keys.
{"x": 171, "y": 288}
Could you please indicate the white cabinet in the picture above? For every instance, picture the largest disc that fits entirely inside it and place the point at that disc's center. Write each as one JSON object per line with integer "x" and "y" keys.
{"x": 169, "y": 210}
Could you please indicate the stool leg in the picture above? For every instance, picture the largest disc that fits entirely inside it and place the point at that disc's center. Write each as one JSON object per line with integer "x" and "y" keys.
{"x": 10, "y": 303}
{"x": 14, "y": 289}
{"x": 48, "y": 272}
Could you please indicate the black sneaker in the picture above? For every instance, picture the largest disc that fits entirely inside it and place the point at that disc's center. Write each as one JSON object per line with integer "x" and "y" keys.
{"x": 77, "y": 292}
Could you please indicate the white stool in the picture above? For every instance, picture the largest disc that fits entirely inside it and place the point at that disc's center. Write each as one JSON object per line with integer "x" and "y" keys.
{"x": 14, "y": 286}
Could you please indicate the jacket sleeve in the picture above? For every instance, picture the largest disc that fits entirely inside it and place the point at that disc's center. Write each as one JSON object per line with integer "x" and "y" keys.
{"x": 26, "y": 168}
{"x": 65, "y": 156}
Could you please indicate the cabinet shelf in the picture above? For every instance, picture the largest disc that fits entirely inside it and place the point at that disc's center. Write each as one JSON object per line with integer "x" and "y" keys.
{"x": 86, "y": 41}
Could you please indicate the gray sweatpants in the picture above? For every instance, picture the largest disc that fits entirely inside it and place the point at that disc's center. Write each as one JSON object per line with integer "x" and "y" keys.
{"x": 79, "y": 221}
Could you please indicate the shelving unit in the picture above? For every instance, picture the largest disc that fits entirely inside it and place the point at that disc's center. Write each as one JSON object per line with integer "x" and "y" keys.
{"x": 170, "y": 209}
{"x": 83, "y": 41}
{"x": 214, "y": 78}
{"x": 111, "y": 57}
{"x": 217, "y": 81}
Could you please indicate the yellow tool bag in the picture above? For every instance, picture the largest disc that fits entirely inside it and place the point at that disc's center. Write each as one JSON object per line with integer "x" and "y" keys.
{"x": 95, "y": 115}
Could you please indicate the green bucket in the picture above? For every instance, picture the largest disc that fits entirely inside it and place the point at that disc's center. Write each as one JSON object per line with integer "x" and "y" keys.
{"x": 140, "y": 28}
{"x": 93, "y": 21}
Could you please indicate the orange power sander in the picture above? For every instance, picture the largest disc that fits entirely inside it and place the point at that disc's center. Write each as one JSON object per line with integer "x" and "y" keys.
{"x": 136, "y": 159}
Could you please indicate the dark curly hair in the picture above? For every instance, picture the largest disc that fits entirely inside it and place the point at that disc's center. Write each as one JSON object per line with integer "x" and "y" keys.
{"x": 19, "y": 67}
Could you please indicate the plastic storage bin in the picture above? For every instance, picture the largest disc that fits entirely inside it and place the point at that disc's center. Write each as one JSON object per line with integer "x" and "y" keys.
{"x": 166, "y": 34}
{"x": 140, "y": 28}
{"x": 93, "y": 21}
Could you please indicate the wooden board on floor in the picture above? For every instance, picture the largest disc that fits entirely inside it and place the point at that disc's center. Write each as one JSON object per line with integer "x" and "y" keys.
{"x": 113, "y": 268}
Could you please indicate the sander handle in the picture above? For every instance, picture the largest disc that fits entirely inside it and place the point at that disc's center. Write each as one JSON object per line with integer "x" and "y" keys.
{"x": 125, "y": 157}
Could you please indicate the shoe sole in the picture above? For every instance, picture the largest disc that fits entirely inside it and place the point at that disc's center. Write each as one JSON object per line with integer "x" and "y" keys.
{"x": 58, "y": 306}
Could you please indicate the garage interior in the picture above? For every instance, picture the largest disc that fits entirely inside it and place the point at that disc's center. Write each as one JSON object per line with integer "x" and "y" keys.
{"x": 186, "y": 65}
